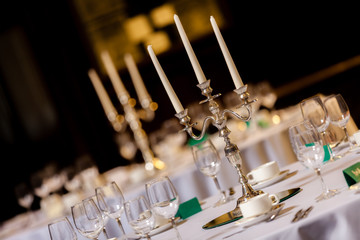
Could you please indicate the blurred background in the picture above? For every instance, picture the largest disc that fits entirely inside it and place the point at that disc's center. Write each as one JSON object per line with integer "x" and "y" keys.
{"x": 51, "y": 116}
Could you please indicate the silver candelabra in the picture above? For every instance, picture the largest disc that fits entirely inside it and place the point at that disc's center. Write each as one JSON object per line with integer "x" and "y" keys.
{"x": 133, "y": 120}
{"x": 219, "y": 120}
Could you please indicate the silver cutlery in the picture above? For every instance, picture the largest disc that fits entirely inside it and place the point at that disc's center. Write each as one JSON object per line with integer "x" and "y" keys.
{"x": 302, "y": 214}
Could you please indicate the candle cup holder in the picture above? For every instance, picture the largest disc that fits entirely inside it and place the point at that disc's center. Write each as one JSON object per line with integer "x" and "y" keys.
{"x": 219, "y": 120}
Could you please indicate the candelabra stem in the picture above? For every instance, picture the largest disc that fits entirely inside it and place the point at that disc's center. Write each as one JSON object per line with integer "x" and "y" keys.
{"x": 233, "y": 155}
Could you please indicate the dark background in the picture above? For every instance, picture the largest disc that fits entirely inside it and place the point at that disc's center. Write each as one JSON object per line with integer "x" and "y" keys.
{"x": 281, "y": 44}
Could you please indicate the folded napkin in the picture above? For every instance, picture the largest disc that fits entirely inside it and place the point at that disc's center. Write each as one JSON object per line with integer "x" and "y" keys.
{"x": 327, "y": 153}
{"x": 188, "y": 208}
{"x": 352, "y": 174}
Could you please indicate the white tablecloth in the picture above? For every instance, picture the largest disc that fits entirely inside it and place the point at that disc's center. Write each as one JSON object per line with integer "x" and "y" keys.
{"x": 262, "y": 145}
{"x": 335, "y": 218}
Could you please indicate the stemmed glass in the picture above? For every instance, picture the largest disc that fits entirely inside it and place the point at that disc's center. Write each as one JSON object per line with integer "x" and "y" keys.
{"x": 103, "y": 214}
{"x": 24, "y": 195}
{"x": 163, "y": 199}
{"x": 87, "y": 218}
{"x": 310, "y": 150}
{"x": 111, "y": 201}
{"x": 61, "y": 229}
{"x": 295, "y": 138}
{"x": 339, "y": 114}
{"x": 140, "y": 216}
{"x": 208, "y": 161}
{"x": 314, "y": 110}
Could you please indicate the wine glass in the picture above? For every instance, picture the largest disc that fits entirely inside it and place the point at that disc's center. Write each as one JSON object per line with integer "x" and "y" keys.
{"x": 339, "y": 114}
{"x": 140, "y": 216}
{"x": 103, "y": 214}
{"x": 87, "y": 218}
{"x": 24, "y": 195}
{"x": 310, "y": 151}
{"x": 163, "y": 199}
{"x": 208, "y": 161}
{"x": 314, "y": 110}
{"x": 295, "y": 139}
{"x": 61, "y": 229}
{"x": 111, "y": 201}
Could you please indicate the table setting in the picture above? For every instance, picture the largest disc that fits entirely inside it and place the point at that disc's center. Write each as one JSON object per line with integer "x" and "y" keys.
{"x": 314, "y": 197}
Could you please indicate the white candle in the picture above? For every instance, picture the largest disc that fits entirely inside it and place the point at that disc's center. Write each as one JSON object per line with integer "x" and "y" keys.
{"x": 229, "y": 61}
{"x": 136, "y": 77}
{"x": 102, "y": 94}
{"x": 113, "y": 74}
{"x": 194, "y": 62}
{"x": 169, "y": 90}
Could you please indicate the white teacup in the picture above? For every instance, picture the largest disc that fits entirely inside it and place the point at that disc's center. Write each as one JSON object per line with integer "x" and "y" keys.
{"x": 258, "y": 205}
{"x": 356, "y": 137}
{"x": 263, "y": 172}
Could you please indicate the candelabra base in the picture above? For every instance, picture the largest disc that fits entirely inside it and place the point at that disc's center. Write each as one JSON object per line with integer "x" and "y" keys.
{"x": 232, "y": 153}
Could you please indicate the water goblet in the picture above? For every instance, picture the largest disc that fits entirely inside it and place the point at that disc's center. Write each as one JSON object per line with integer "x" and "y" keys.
{"x": 87, "y": 218}
{"x": 111, "y": 201}
{"x": 294, "y": 138}
{"x": 61, "y": 229}
{"x": 103, "y": 214}
{"x": 163, "y": 199}
{"x": 24, "y": 195}
{"x": 208, "y": 162}
{"x": 314, "y": 110}
{"x": 339, "y": 114}
{"x": 140, "y": 216}
{"x": 310, "y": 151}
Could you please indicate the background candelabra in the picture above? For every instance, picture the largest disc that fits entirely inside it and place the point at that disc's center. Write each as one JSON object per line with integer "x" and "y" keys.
{"x": 131, "y": 116}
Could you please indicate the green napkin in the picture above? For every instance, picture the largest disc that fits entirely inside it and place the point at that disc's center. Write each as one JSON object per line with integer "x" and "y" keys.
{"x": 352, "y": 174}
{"x": 327, "y": 154}
{"x": 193, "y": 142}
{"x": 188, "y": 208}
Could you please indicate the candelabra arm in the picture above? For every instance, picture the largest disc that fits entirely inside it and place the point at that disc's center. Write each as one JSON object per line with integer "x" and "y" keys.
{"x": 186, "y": 121}
{"x": 243, "y": 118}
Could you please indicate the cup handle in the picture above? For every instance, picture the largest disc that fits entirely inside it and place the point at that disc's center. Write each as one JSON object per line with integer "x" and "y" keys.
{"x": 274, "y": 198}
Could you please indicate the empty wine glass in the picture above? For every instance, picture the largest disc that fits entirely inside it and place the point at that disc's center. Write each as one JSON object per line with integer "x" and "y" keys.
{"x": 163, "y": 199}
{"x": 313, "y": 110}
{"x": 339, "y": 114}
{"x": 295, "y": 139}
{"x": 61, "y": 229}
{"x": 104, "y": 215}
{"x": 87, "y": 218}
{"x": 140, "y": 216}
{"x": 208, "y": 161}
{"x": 310, "y": 151}
{"x": 111, "y": 201}
{"x": 24, "y": 195}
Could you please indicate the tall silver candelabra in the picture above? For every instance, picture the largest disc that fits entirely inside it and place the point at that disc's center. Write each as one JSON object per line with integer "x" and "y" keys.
{"x": 140, "y": 136}
{"x": 219, "y": 120}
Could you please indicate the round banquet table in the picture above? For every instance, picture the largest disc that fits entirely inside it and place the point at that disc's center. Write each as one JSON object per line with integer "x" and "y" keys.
{"x": 334, "y": 218}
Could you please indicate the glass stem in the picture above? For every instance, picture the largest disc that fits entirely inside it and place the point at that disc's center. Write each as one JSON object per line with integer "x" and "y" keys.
{"x": 175, "y": 228}
{"x": 120, "y": 226}
{"x": 323, "y": 185}
{"x": 216, "y": 181}
{"x": 347, "y": 138}
{"x": 105, "y": 233}
{"x": 327, "y": 142}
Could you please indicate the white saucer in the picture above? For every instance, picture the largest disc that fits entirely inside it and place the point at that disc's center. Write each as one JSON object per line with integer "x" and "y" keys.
{"x": 247, "y": 222}
{"x": 270, "y": 181}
